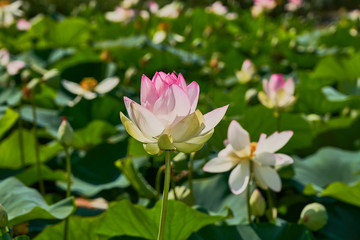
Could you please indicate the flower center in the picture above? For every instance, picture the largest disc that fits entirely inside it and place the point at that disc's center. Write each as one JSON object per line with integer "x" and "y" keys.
{"x": 88, "y": 83}
{"x": 4, "y": 3}
{"x": 253, "y": 146}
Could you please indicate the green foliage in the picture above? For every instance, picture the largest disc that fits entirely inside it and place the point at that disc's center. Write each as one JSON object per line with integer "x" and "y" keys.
{"x": 33, "y": 206}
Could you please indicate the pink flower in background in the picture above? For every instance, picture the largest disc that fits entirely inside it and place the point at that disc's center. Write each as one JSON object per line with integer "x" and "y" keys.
{"x": 278, "y": 93}
{"x": 23, "y": 24}
{"x": 293, "y": 5}
{"x": 12, "y": 67}
{"x": 217, "y": 8}
{"x": 167, "y": 118}
{"x": 261, "y": 6}
{"x": 247, "y": 71}
{"x": 120, "y": 14}
{"x": 244, "y": 156}
{"x": 153, "y": 6}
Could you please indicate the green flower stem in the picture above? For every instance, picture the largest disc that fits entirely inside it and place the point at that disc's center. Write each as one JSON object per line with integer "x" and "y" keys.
{"x": 248, "y": 197}
{"x": 68, "y": 187}
{"x": 21, "y": 141}
{"x": 37, "y": 153}
{"x": 165, "y": 195}
{"x": 190, "y": 176}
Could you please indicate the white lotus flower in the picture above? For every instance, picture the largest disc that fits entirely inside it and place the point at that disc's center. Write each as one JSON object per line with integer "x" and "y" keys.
{"x": 8, "y": 12}
{"x": 120, "y": 14}
{"x": 245, "y": 156}
{"x": 89, "y": 87}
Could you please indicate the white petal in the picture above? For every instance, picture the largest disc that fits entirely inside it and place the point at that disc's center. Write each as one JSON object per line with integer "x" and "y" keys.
{"x": 273, "y": 142}
{"x": 289, "y": 86}
{"x": 89, "y": 95}
{"x": 107, "y": 85}
{"x": 283, "y": 159}
{"x": 268, "y": 176}
{"x": 188, "y": 127}
{"x": 219, "y": 164}
{"x": 214, "y": 117}
{"x": 238, "y": 137}
{"x": 134, "y": 131}
{"x": 239, "y": 178}
{"x": 266, "y": 158}
{"x": 127, "y": 102}
{"x": 146, "y": 120}
{"x": 73, "y": 87}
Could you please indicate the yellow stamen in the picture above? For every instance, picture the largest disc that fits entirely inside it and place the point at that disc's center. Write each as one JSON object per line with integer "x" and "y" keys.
{"x": 253, "y": 146}
{"x": 88, "y": 83}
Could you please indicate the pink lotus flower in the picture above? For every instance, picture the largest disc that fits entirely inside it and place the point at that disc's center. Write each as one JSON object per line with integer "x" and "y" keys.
{"x": 245, "y": 156}
{"x": 12, "y": 67}
{"x": 217, "y": 8}
{"x": 23, "y": 24}
{"x": 279, "y": 93}
{"x": 261, "y": 6}
{"x": 167, "y": 118}
{"x": 247, "y": 72}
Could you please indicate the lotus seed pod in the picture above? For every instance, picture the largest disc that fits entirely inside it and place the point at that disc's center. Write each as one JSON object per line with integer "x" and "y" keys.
{"x": 314, "y": 216}
{"x": 65, "y": 133}
{"x": 257, "y": 203}
{"x": 3, "y": 217}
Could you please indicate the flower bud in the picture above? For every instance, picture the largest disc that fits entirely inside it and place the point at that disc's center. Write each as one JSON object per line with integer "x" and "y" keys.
{"x": 314, "y": 216}
{"x": 52, "y": 74}
{"x": 65, "y": 133}
{"x": 257, "y": 204}
{"x": 3, "y": 217}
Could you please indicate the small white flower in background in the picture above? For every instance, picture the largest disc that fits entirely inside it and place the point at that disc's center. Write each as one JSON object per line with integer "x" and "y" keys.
{"x": 245, "y": 156}
{"x": 293, "y": 5}
{"x": 129, "y": 3}
{"x": 89, "y": 87}
{"x": 278, "y": 93}
{"x": 12, "y": 67}
{"x": 23, "y": 24}
{"x": 171, "y": 10}
{"x": 120, "y": 14}
{"x": 247, "y": 72}
{"x": 8, "y": 12}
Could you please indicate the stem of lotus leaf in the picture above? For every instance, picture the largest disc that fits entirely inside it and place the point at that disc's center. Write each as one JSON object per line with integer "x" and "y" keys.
{"x": 165, "y": 195}
{"x": 158, "y": 181}
{"x": 191, "y": 166}
{"x": 21, "y": 141}
{"x": 248, "y": 197}
{"x": 37, "y": 153}
{"x": 68, "y": 188}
